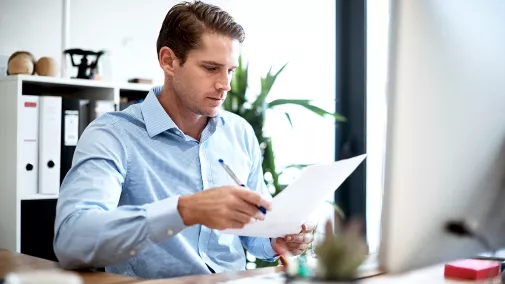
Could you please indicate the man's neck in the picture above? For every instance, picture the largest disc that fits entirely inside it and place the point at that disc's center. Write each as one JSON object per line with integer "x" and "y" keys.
{"x": 188, "y": 122}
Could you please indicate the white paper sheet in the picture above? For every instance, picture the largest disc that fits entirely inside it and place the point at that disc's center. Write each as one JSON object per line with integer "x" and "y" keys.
{"x": 298, "y": 202}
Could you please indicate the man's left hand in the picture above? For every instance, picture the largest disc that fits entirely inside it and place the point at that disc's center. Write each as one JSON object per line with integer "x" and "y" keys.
{"x": 295, "y": 244}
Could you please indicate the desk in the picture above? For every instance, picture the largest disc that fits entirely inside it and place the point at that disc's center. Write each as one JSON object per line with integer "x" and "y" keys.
{"x": 213, "y": 278}
{"x": 430, "y": 275}
{"x": 10, "y": 262}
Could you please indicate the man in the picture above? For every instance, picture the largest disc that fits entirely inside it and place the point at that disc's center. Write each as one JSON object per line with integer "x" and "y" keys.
{"x": 146, "y": 195}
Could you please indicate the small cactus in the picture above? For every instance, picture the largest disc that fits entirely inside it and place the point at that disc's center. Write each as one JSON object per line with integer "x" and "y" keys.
{"x": 340, "y": 255}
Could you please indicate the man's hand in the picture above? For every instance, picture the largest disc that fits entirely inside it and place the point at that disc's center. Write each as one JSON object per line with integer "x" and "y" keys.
{"x": 295, "y": 244}
{"x": 226, "y": 207}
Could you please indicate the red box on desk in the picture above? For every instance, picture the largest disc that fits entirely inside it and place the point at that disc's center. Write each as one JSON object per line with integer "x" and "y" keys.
{"x": 472, "y": 269}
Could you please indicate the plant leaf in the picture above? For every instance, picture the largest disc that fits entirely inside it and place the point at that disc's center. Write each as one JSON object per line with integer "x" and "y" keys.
{"x": 269, "y": 162}
{"x": 306, "y": 104}
{"x": 289, "y": 119}
{"x": 298, "y": 166}
{"x": 241, "y": 78}
{"x": 236, "y": 99}
{"x": 337, "y": 208}
{"x": 266, "y": 85}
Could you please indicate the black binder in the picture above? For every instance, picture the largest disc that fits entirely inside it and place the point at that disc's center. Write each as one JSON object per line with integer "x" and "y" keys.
{"x": 74, "y": 119}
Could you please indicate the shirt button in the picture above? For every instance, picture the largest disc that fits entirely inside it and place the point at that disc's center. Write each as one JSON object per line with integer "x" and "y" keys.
{"x": 204, "y": 255}
{"x": 177, "y": 132}
{"x": 170, "y": 232}
{"x": 132, "y": 253}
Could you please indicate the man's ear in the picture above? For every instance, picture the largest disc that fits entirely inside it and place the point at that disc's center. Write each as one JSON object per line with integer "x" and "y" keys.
{"x": 167, "y": 60}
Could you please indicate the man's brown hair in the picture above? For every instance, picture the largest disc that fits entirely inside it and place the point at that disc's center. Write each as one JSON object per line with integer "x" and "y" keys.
{"x": 185, "y": 23}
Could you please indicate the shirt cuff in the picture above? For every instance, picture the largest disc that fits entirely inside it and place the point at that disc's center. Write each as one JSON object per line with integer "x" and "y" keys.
{"x": 163, "y": 219}
{"x": 270, "y": 254}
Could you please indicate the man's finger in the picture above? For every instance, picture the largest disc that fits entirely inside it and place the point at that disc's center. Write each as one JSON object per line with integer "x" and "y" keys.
{"x": 242, "y": 218}
{"x": 304, "y": 238}
{"x": 297, "y": 248}
{"x": 249, "y": 209}
{"x": 308, "y": 227}
{"x": 293, "y": 246}
{"x": 283, "y": 253}
{"x": 254, "y": 198}
{"x": 300, "y": 251}
{"x": 278, "y": 247}
{"x": 235, "y": 225}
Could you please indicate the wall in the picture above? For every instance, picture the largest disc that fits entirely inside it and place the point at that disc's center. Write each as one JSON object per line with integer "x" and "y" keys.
{"x": 32, "y": 25}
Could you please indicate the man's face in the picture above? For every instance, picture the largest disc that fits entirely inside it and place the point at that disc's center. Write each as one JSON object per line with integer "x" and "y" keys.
{"x": 202, "y": 82}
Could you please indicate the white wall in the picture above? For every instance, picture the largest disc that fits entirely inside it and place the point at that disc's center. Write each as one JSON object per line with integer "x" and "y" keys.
{"x": 128, "y": 29}
{"x": 31, "y": 25}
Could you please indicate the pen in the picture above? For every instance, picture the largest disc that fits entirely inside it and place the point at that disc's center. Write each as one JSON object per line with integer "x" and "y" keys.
{"x": 235, "y": 178}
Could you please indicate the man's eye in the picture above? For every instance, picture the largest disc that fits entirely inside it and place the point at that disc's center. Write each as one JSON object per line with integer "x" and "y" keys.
{"x": 231, "y": 71}
{"x": 212, "y": 69}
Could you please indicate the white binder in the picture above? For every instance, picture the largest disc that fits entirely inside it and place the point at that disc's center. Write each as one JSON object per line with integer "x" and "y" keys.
{"x": 29, "y": 145}
{"x": 49, "y": 144}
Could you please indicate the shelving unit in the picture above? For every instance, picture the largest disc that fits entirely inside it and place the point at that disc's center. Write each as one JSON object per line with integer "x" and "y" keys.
{"x": 27, "y": 218}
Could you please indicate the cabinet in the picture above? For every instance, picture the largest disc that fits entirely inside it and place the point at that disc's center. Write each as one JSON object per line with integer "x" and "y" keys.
{"x": 27, "y": 212}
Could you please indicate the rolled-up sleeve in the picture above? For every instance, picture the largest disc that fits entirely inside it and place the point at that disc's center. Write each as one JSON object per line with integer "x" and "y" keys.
{"x": 91, "y": 230}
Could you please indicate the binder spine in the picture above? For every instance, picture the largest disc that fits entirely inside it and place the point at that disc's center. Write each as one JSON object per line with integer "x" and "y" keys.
{"x": 49, "y": 144}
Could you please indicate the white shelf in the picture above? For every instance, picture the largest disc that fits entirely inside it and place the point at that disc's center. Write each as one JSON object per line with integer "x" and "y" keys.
{"x": 39, "y": 196}
{"x": 139, "y": 87}
{"x": 44, "y": 80}
{"x": 12, "y": 118}
{"x": 57, "y": 82}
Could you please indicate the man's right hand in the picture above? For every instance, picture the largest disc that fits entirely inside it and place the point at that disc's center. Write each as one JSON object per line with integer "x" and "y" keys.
{"x": 226, "y": 207}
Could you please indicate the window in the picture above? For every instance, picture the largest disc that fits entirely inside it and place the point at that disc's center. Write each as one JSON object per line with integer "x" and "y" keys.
{"x": 377, "y": 61}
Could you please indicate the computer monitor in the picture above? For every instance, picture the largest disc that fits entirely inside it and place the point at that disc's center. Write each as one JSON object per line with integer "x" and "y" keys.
{"x": 445, "y": 149}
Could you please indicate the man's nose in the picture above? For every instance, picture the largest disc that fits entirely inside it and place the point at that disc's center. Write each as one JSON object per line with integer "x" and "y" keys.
{"x": 224, "y": 83}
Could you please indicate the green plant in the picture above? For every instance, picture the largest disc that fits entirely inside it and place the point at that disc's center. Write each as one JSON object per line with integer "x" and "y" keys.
{"x": 254, "y": 111}
{"x": 341, "y": 254}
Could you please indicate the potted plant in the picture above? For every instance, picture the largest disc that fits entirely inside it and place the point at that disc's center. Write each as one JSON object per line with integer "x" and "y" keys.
{"x": 254, "y": 112}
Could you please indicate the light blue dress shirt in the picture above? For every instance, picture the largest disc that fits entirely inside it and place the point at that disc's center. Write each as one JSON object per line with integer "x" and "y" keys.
{"x": 117, "y": 206}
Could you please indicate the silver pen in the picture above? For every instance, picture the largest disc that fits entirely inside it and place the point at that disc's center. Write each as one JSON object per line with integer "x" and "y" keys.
{"x": 235, "y": 178}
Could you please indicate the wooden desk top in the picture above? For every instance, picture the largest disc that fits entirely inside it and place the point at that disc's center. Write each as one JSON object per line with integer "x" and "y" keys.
{"x": 10, "y": 262}
{"x": 429, "y": 275}
{"x": 213, "y": 278}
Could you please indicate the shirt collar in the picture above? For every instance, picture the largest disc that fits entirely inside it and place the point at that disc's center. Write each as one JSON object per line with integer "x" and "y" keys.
{"x": 157, "y": 119}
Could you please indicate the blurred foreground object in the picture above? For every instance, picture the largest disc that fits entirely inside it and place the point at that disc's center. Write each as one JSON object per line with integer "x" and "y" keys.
{"x": 340, "y": 255}
{"x": 43, "y": 277}
{"x": 21, "y": 62}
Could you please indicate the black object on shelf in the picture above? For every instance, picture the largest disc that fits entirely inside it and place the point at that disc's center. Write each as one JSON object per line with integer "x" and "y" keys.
{"x": 37, "y": 228}
{"x": 85, "y": 70}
